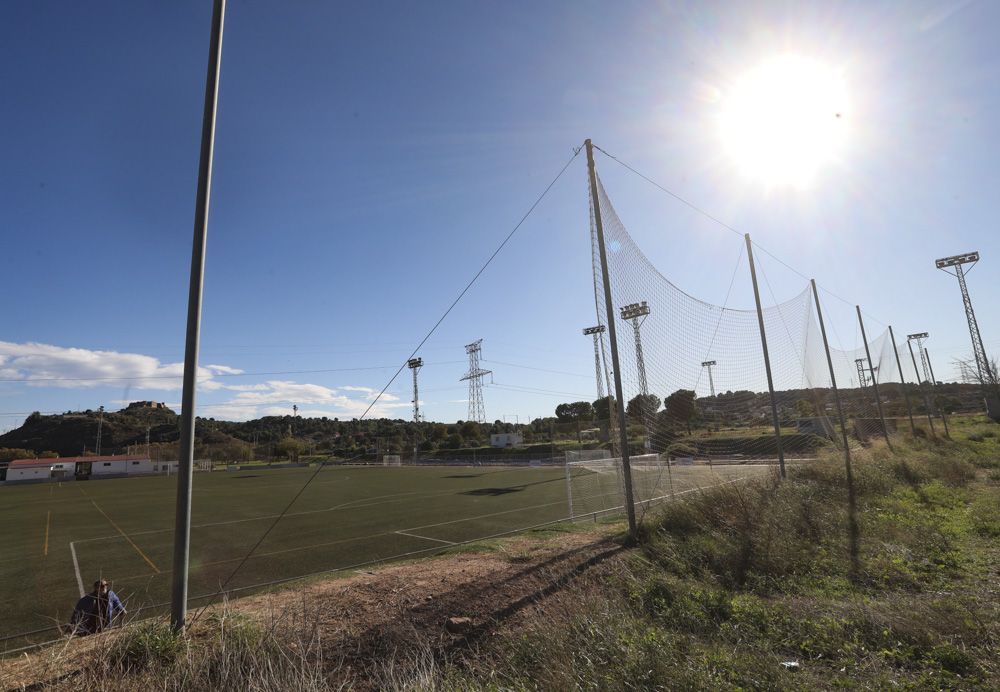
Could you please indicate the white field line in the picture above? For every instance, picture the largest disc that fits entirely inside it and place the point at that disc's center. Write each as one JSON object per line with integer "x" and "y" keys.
{"x": 425, "y": 538}
{"x": 76, "y": 567}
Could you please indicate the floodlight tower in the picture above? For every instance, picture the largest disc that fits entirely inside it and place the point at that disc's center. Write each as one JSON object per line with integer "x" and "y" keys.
{"x": 862, "y": 375}
{"x": 415, "y": 364}
{"x": 477, "y": 410}
{"x": 928, "y": 377}
{"x": 596, "y": 332}
{"x": 636, "y": 313}
{"x": 987, "y": 378}
{"x": 711, "y": 385}
{"x": 100, "y": 424}
{"x": 919, "y": 338}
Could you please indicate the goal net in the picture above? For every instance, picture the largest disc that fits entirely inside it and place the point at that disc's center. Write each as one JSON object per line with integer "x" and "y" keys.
{"x": 391, "y": 460}
{"x": 597, "y": 484}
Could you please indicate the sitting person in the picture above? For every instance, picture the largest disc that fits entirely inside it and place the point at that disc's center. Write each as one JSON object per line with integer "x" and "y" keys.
{"x": 96, "y": 611}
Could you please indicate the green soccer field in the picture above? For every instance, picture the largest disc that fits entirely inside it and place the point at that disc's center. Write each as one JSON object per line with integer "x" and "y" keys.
{"x": 60, "y": 537}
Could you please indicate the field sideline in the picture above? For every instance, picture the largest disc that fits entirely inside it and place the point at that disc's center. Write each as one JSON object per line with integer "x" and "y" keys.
{"x": 60, "y": 537}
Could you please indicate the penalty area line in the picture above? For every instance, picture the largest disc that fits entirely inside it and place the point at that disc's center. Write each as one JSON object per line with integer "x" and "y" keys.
{"x": 76, "y": 567}
{"x": 425, "y": 538}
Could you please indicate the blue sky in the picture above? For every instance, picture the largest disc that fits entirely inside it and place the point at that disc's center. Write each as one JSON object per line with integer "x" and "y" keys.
{"x": 370, "y": 156}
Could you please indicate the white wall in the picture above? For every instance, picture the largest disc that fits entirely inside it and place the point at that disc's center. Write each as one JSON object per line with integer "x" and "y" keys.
{"x": 27, "y": 473}
{"x": 104, "y": 468}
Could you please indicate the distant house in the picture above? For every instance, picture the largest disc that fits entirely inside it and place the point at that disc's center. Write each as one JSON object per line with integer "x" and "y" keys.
{"x": 507, "y": 440}
{"x": 97, "y": 467}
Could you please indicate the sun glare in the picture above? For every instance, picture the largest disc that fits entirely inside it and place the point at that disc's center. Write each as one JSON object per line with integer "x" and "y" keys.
{"x": 785, "y": 120}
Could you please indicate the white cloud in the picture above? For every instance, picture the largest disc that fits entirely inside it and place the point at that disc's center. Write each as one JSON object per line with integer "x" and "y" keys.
{"x": 370, "y": 393}
{"x": 276, "y": 398}
{"x": 45, "y": 365}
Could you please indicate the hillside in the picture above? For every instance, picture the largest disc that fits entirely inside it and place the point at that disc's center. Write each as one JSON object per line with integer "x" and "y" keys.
{"x": 279, "y": 437}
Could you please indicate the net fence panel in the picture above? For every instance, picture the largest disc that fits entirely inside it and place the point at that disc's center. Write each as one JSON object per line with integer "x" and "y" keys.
{"x": 693, "y": 373}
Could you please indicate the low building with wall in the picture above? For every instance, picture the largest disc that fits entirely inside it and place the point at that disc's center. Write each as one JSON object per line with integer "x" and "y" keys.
{"x": 78, "y": 468}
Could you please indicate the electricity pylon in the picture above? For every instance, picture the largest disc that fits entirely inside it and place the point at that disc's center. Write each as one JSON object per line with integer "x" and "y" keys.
{"x": 477, "y": 409}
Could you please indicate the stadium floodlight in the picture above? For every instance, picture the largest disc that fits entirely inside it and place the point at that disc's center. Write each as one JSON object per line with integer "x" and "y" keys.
{"x": 919, "y": 338}
{"x": 632, "y": 313}
{"x": 711, "y": 385}
{"x": 956, "y": 260}
{"x": 634, "y": 310}
{"x": 596, "y": 333}
{"x": 415, "y": 364}
{"x": 987, "y": 378}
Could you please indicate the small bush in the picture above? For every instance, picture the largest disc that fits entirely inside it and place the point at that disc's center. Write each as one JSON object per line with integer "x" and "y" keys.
{"x": 148, "y": 644}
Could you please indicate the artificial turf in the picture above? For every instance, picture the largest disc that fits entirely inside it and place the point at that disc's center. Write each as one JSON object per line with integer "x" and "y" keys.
{"x": 122, "y": 529}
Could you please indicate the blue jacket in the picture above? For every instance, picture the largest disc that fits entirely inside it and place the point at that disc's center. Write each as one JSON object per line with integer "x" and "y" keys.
{"x": 94, "y": 613}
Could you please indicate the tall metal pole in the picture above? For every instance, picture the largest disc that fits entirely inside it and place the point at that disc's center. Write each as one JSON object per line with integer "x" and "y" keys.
{"x": 100, "y": 424}
{"x": 944, "y": 418}
{"x": 902, "y": 382}
{"x": 871, "y": 369}
{"x": 182, "y": 523}
{"x": 596, "y": 332}
{"x": 987, "y": 378}
{"x": 852, "y": 518}
{"x": 767, "y": 358}
{"x": 923, "y": 392}
{"x": 597, "y": 368}
{"x": 986, "y": 374}
{"x": 613, "y": 339}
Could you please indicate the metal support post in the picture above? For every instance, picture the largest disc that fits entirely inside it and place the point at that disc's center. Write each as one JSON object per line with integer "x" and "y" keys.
{"x": 852, "y": 519}
{"x": 871, "y": 369}
{"x": 182, "y": 524}
{"x": 902, "y": 382}
{"x": 944, "y": 418}
{"x": 613, "y": 339}
{"x": 767, "y": 358}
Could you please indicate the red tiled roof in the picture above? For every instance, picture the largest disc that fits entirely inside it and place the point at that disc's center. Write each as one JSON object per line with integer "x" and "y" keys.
{"x": 22, "y": 463}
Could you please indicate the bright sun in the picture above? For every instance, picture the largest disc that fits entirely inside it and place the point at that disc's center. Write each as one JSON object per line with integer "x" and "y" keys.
{"x": 785, "y": 120}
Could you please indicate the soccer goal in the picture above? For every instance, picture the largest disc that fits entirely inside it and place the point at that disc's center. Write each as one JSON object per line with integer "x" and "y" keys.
{"x": 392, "y": 460}
{"x": 597, "y": 484}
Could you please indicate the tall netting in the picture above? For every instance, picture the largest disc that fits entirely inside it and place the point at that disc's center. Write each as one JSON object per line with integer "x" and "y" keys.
{"x": 695, "y": 385}
{"x": 693, "y": 373}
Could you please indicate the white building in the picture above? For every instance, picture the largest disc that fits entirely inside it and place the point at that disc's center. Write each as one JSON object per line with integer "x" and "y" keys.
{"x": 70, "y": 468}
{"x": 507, "y": 440}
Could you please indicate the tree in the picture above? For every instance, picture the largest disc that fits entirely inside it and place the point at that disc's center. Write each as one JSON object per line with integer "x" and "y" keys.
{"x": 804, "y": 408}
{"x": 643, "y": 406}
{"x": 681, "y": 407}
{"x": 289, "y": 447}
{"x": 603, "y": 408}
{"x": 576, "y": 411}
{"x": 469, "y": 430}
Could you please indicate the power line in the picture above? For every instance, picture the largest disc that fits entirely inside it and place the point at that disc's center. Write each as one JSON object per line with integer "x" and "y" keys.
{"x": 531, "y": 367}
{"x": 124, "y": 378}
